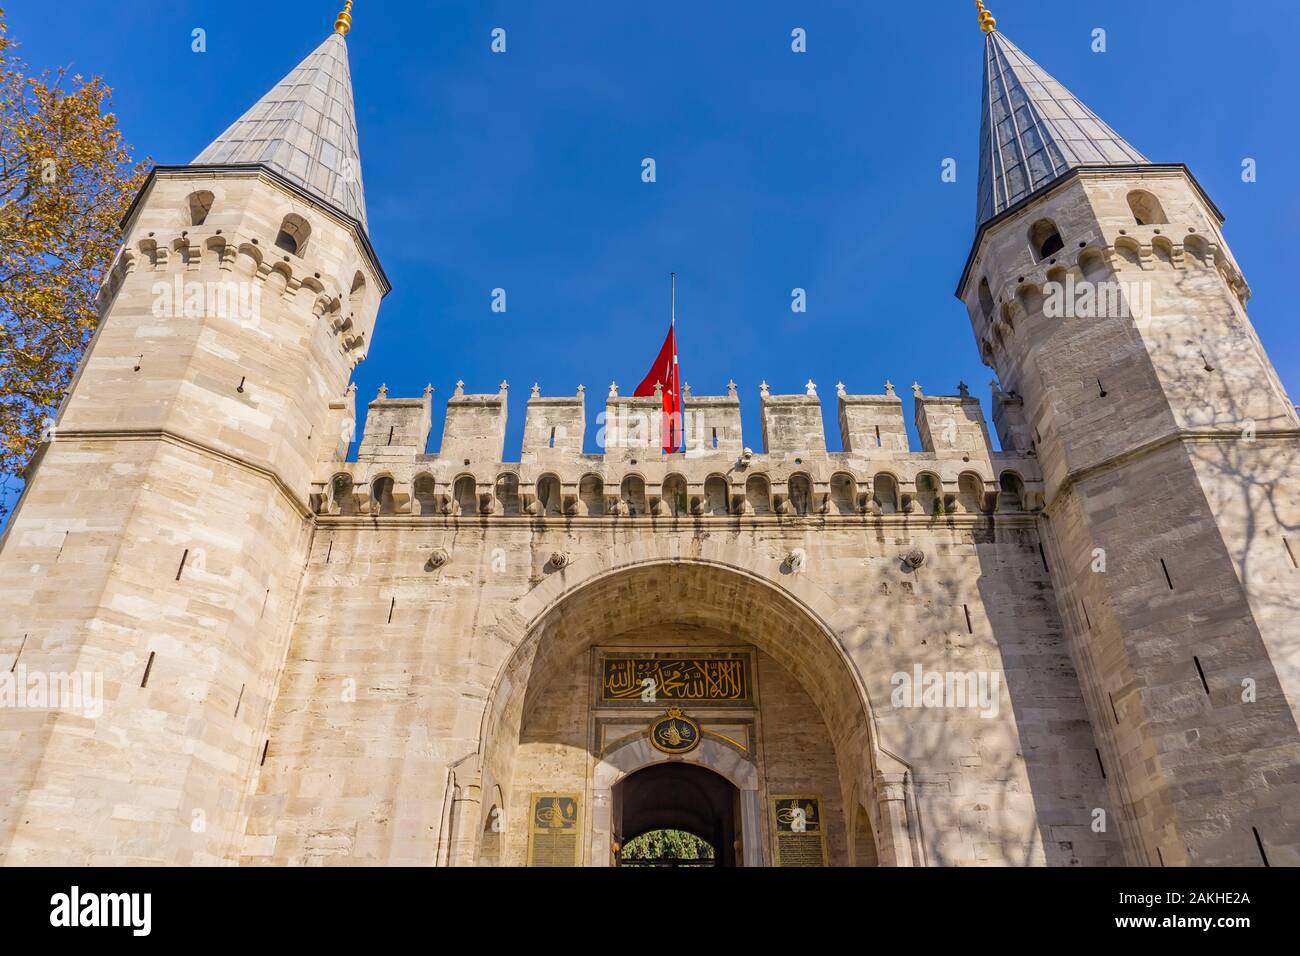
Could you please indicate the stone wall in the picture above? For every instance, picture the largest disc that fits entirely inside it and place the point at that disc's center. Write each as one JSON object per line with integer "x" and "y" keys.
{"x": 1167, "y": 446}
{"x": 437, "y": 651}
{"x": 359, "y": 662}
{"x": 162, "y": 535}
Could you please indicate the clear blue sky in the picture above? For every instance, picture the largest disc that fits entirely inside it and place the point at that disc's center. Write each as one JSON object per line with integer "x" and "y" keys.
{"x": 775, "y": 170}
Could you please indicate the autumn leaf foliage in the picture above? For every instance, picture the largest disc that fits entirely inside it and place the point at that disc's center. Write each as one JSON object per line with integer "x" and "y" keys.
{"x": 66, "y": 179}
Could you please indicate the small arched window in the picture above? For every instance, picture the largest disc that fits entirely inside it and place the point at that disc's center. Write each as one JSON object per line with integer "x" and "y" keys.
{"x": 844, "y": 493}
{"x": 1011, "y": 495}
{"x": 758, "y": 495}
{"x": 507, "y": 492}
{"x": 357, "y": 297}
{"x": 800, "y": 494}
{"x": 465, "y": 493}
{"x": 198, "y": 205}
{"x": 548, "y": 494}
{"x": 986, "y": 299}
{"x": 885, "y": 493}
{"x": 1045, "y": 239}
{"x": 929, "y": 494}
{"x": 632, "y": 492}
{"x": 381, "y": 490}
{"x": 293, "y": 236}
{"x": 591, "y": 492}
{"x": 1093, "y": 263}
{"x": 1197, "y": 251}
{"x": 716, "y": 495}
{"x": 344, "y": 499}
{"x": 423, "y": 490}
{"x": 1147, "y": 210}
{"x": 970, "y": 492}
{"x": 674, "y": 495}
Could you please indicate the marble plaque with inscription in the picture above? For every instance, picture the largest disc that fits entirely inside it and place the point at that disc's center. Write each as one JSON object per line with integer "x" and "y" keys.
{"x": 800, "y": 830}
{"x": 700, "y": 678}
{"x": 554, "y": 828}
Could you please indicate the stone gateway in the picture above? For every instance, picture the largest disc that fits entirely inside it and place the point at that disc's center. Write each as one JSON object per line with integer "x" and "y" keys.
{"x": 1078, "y": 649}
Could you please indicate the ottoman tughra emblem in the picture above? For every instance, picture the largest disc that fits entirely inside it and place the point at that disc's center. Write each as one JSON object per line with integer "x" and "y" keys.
{"x": 675, "y": 733}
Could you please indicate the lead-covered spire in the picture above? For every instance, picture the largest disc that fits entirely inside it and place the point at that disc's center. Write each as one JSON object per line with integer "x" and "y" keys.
{"x": 305, "y": 128}
{"x": 1032, "y": 129}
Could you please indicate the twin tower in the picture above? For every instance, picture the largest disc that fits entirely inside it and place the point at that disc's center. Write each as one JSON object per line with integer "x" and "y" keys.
{"x": 161, "y": 540}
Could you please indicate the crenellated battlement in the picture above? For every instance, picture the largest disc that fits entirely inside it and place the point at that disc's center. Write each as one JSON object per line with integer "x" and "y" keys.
{"x": 956, "y": 471}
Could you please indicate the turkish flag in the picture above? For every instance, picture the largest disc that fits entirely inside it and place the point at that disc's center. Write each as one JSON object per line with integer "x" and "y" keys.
{"x": 664, "y": 372}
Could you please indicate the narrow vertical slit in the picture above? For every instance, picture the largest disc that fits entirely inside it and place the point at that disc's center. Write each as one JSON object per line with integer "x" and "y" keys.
{"x": 1113, "y": 709}
{"x": 1168, "y": 580}
{"x": 329, "y": 551}
{"x": 148, "y": 667}
{"x": 1289, "y": 553}
{"x": 1101, "y": 389}
{"x": 265, "y": 747}
{"x": 715, "y": 438}
{"x": 184, "y": 558}
{"x": 391, "y": 606}
{"x": 62, "y": 544}
{"x": 1160, "y": 856}
{"x": 19, "y": 654}
{"x": 1086, "y": 619}
{"x": 265, "y": 598}
{"x": 240, "y": 699}
{"x": 877, "y": 436}
{"x": 390, "y": 433}
{"x": 1197, "y": 661}
{"x": 1260, "y": 843}
{"x": 551, "y": 444}
{"x": 1043, "y": 554}
{"x": 966, "y": 609}
{"x": 1101, "y": 766}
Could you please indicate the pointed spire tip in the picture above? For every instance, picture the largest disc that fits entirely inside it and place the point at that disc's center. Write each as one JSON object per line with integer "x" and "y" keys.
{"x": 987, "y": 23}
{"x": 343, "y": 24}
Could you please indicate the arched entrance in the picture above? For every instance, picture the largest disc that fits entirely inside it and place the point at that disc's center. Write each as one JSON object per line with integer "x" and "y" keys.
{"x": 677, "y": 797}
{"x": 798, "y": 730}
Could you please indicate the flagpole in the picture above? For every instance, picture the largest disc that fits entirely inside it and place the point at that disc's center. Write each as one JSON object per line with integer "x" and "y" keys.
{"x": 679, "y": 412}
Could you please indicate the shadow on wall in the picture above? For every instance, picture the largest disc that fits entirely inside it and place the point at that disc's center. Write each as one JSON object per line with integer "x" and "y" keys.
{"x": 1052, "y": 728}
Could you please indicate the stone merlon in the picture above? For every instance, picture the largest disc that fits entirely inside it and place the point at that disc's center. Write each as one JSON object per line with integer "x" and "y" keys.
{"x": 956, "y": 470}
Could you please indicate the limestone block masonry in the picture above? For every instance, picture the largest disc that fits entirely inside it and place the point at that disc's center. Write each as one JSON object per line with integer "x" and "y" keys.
{"x": 1169, "y": 453}
{"x": 165, "y": 526}
{"x": 1080, "y": 649}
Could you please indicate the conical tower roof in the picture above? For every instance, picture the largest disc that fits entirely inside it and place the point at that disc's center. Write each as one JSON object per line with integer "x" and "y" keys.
{"x": 305, "y": 129}
{"x": 1032, "y": 129}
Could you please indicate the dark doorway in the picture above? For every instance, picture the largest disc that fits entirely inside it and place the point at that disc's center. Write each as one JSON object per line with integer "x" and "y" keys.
{"x": 678, "y": 796}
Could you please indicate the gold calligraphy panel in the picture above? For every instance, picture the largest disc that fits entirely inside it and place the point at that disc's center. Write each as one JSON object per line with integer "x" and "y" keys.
{"x": 554, "y": 829}
{"x": 800, "y": 830}
{"x": 648, "y": 679}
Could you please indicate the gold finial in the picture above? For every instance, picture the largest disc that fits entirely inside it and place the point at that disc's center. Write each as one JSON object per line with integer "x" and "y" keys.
{"x": 987, "y": 23}
{"x": 344, "y": 22}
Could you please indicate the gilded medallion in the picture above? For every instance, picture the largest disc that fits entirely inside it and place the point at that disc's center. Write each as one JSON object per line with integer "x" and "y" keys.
{"x": 675, "y": 733}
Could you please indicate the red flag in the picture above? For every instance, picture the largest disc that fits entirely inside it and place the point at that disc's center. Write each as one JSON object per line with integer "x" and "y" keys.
{"x": 664, "y": 372}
